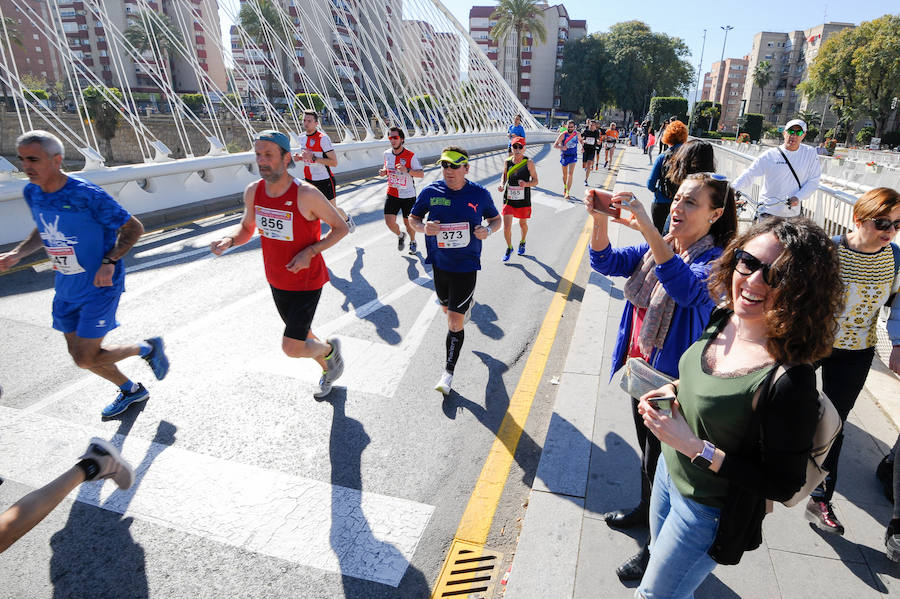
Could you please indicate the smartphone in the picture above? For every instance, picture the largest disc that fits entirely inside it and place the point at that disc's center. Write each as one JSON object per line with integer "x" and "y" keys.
{"x": 663, "y": 404}
{"x": 602, "y": 201}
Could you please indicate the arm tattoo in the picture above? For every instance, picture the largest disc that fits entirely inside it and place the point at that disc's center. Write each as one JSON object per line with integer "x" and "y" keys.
{"x": 129, "y": 233}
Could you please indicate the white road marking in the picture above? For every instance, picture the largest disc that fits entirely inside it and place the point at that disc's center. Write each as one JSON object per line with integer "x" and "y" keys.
{"x": 300, "y": 520}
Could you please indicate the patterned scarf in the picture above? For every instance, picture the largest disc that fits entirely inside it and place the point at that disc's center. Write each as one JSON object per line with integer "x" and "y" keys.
{"x": 643, "y": 290}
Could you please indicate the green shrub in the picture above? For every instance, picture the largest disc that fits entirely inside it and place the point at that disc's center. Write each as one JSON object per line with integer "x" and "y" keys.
{"x": 752, "y": 124}
{"x": 864, "y": 135}
{"x": 662, "y": 107}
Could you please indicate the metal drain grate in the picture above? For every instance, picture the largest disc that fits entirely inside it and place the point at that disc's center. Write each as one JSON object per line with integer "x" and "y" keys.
{"x": 471, "y": 572}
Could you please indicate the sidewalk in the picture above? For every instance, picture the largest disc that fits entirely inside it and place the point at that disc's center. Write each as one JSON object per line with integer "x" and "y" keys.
{"x": 590, "y": 465}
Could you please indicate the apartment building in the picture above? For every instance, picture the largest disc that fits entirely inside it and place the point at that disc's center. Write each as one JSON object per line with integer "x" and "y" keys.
{"x": 424, "y": 51}
{"x": 789, "y": 56}
{"x": 541, "y": 62}
{"x": 89, "y": 37}
{"x": 725, "y": 84}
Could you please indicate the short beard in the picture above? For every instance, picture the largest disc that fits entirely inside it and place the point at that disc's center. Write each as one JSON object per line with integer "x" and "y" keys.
{"x": 272, "y": 177}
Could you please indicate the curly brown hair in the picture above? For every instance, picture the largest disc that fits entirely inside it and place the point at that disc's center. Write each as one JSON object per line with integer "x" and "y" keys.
{"x": 675, "y": 133}
{"x": 803, "y": 320}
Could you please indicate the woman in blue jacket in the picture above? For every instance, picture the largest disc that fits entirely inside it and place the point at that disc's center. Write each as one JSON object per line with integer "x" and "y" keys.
{"x": 668, "y": 301}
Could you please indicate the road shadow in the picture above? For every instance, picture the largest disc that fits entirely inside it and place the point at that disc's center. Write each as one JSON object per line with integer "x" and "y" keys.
{"x": 351, "y": 536}
{"x": 95, "y": 555}
{"x": 552, "y": 284}
{"x": 358, "y": 292}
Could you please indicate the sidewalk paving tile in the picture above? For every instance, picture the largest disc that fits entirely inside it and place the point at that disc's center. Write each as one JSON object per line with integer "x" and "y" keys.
{"x": 802, "y": 576}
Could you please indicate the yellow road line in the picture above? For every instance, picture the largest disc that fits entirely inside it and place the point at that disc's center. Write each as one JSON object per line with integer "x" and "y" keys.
{"x": 475, "y": 523}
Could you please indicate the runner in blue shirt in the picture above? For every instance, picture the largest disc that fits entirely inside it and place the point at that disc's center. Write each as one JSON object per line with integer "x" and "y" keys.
{"x": 515, "y": 130}
{"x": 86, "y": 233}
{"x": 456, "y": 208}
{"x": 568, "y": 142}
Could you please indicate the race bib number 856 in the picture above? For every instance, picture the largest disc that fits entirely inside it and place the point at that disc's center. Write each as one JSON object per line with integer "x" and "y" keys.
{"x": 275, "y": 224}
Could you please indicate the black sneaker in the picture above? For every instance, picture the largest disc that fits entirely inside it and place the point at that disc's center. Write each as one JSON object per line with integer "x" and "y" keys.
{"x": 401, "y": 241}
{"x": 821, "y": 515}
{"x": 412, "y": 248}
{"x": 885, "y": 475}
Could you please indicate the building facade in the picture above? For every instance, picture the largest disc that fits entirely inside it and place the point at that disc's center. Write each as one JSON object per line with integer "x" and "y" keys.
{"x": 725, "y": 84}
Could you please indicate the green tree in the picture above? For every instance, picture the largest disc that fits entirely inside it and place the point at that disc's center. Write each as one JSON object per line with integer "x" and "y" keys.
{"x": 193, "y": 102}
{"x": 862, "y": 67}
{"x": 712, "y": 113}
{"x": 663, "y": 108}
{"x": 309, "y": 102}
{"x": 516, "y": 19}
{"x": 152, "y": 30}
{"x": 102, "y": 113}
{"x": 261, "y": 20}
{"x": 697, "y": 124}
{"x": 585, "y": 75}
{"x": 762, "y": 74}
{"x": 864, "y": 135}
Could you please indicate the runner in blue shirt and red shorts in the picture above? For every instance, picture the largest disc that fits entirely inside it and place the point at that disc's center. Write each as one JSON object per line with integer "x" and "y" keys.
{"x": 568, "y": 142}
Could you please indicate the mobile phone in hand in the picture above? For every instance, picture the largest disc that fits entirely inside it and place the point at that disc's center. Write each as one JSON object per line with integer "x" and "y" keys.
{"x": 602, "y": 201}
{"x": 663, "y": 404}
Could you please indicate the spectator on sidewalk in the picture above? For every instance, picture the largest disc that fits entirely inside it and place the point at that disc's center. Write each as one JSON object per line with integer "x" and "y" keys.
{"x": 715, "y": 475}
{"x": 645, "y": 134}
{"x": 651, "y": 142}
{"x": 790, "y": 174}
{"x": 668, "y": 302}
{"x": 869, "y": 263}
{"x": 659, "y": 183}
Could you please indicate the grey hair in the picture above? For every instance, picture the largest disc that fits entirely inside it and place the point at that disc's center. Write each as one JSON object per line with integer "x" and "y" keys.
{"x": 51, "y": 144}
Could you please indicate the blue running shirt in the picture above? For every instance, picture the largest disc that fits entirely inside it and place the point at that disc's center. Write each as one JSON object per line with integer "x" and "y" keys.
{"x": 78, "y": 225}
{"x": 459, "y": 213}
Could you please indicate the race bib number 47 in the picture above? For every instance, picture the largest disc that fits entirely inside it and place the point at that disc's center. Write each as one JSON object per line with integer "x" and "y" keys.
{"x": 275, "y": 224}
{"x": 453, "y": 235}
{"x": 64, "y": 260}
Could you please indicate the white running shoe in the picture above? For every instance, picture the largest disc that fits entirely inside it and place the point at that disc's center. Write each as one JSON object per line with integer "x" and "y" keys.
{"x": 444, "y": 384}
{"x": 468, "y": 315}
{"x": 350, "y": 223}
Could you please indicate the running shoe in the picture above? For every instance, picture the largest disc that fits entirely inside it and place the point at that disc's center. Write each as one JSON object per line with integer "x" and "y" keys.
{"x": 444, "y": 384}
{"x": 335, "y": 369}
{"x": 324, "y": 386}
{"x": 401, "y": 242}
{"x": 109, "y": 463}
{"x": 412, "y": 248}
{"x": 585, "y": 183}
{"x": 468, "y": 315}
{"x": 821, "y": 515}
{"x": 157, "y": 359}
{"x": 521, "y": 250}
{"x": 124, "y": 400}
{"x": 350, "y": 223}
{"x": 892, "y": 541}
{"x": 507, "y": 254}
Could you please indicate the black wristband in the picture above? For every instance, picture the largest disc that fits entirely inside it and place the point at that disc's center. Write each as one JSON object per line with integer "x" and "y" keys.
{"x": 90, "y": 467}
{"x": 108, "y": 260}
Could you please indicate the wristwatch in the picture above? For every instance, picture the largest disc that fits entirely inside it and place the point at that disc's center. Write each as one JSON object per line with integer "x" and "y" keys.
{"x": 703, "y": 460}
{"x": 108, "y": 260}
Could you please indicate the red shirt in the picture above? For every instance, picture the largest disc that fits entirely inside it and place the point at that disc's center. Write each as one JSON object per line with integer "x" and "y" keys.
{"x": 284, "y": 233}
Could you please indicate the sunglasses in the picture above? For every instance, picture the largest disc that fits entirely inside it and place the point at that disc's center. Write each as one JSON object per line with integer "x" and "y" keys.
{"x": 746, "y": 264}
{"x": 883, "y": 224}
{"x": 797, "y": 132}
{"x": 393, "y": 137}
{"x": 518, "y": 147}
{"x": 445, "y": 164}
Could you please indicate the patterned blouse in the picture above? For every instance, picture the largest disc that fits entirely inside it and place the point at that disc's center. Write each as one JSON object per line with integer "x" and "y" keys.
{"x": 867, "y": 278}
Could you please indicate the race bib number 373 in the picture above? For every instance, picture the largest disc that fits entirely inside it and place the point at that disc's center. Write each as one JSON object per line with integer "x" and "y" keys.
{"x": 275, "y": 224}
{"x": 453, "y": 235}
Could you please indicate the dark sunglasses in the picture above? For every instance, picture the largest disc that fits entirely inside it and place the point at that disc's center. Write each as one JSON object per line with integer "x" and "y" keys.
{"x": 517, "y": 146}
{"x": 393, "y": 137}
{"x": 883, "y": 224}
{"x": 445, "y": 164}
{"x": 746, "y": 264}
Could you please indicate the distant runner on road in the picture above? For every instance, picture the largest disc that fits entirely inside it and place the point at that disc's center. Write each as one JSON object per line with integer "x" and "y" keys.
{"x": 515, "y": 130}
{"x": 519, "y": 176}
{"x": 453, "y": 232}
{"x": 591, "y": 139}
{"x": 612, "y": 136}
{"x": 568, "y": 142}
{"x": 288, "y": 214}
{"x": 86, "y": 233}
{"x": 400, "y": 167}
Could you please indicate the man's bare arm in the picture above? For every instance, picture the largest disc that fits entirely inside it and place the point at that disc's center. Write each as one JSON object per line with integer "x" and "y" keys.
{"x": 30, "y": 245}
{"x": 128, "y": 235}
{"x": 244, "y": 231}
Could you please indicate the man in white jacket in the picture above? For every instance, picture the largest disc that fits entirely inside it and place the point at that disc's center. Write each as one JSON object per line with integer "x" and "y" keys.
{"x": 790, "y": 174}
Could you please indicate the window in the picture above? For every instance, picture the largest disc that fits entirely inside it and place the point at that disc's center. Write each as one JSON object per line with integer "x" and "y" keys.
{"x": 66, "y": 13}
{"x": 38, "y": 49}
{"x": 70, "y": 27}
{"x": 526, "y": 62}
{"x": 103, "y": 53}
{"x": 40, "y": 61}
{"x": 556, "y": 102}
{"x": 525, "y": 88}
{"x": 35, "y": 36}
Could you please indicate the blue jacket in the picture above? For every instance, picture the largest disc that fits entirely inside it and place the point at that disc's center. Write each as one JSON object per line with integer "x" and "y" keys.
{"x": 686, "y": 284}
{"x": 655, "y": 175}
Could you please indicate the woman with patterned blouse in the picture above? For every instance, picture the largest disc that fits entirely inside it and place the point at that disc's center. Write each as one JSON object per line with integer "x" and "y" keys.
{"x": 869, "y": 273}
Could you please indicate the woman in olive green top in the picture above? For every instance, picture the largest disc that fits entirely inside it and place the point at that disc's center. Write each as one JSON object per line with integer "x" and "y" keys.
{"x": 709, "y": 492}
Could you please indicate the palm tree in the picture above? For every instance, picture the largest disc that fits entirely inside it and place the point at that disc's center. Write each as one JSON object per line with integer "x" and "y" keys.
{"x": 153, "y": 30}
{"x": 256, "y": 27}
{"x": 518, "y": 17}
{"x": 811, "y": 117}
{"x": 762, "y": 74}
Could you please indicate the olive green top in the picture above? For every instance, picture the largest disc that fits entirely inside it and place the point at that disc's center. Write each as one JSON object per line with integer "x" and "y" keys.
{"x": 717, "y": 409}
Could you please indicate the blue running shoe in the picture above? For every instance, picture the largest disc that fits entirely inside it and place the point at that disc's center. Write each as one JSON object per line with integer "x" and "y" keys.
{"x": 521, "y": 251}
{"x": 507, "y": 254}
{"x": 124, "y": 400}
{"x": 157, "y": 359}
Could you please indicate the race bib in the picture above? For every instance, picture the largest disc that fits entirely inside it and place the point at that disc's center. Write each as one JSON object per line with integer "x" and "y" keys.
{"x": 453, "y": 235}
{"x": 64, "y": 260}
{"x": 275, "y": 224}
{"x": 515, "y": 193}
{"x": 397, "y": 179}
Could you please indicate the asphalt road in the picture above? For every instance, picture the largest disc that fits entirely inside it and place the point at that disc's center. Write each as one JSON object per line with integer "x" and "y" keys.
{"x": 246, "y": 485}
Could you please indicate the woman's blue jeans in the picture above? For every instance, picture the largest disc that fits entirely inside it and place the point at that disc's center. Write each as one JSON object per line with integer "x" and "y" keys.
{"x": 681, "y": 532}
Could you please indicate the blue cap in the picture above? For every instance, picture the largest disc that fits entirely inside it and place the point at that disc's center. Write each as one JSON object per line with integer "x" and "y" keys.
{"x": 276, "y": 137}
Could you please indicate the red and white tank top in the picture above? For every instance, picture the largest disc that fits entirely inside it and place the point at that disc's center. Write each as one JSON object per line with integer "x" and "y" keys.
{"x": 318, "y": 143}
{"x": 401, "y": 185}
{"x": 284, "y": 233}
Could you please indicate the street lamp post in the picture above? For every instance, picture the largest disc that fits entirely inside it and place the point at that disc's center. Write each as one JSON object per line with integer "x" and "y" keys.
{"x": 726, "y": 28}
{"x": 699, "y": 83}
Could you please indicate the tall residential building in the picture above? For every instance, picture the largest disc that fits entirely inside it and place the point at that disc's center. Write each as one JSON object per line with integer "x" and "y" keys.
{"x": 425, "y": 51}
{"x": 87, "y": 36}
{"x": 789, "y": 56}
{"x": 725, "y": 84}
{"x": 540, "y": 61}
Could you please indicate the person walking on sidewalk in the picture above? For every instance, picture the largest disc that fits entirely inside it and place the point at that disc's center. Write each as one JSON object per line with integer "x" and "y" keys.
{"x": 86, "y": 233}
{"x": 400, "y": 167}
{"x": 288, "y": 213}
{"x": 869, "y": 264}
{"x": 667, "y": 300}
{"x": 568, "y": 142}
{"x": 456, "y": 208}
{"x": 651, "y": 142}
{"x": 790, "y": 174}
{"x": 519, "y": 176}
{"x": 735, "y": 438}
{"x": 659, "y": 183}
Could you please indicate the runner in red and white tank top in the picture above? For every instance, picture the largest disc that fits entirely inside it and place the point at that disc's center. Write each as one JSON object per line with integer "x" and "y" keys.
{"x": 400, "y": 167}
{"x": 288, "y": 213}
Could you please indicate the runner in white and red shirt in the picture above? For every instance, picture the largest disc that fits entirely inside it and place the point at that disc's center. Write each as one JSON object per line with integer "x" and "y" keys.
{"x": 318, "y": 158}
{"x": 400, "y": 167}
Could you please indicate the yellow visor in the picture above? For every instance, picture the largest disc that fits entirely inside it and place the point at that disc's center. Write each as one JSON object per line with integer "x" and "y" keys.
{"x": 453, "y": 157}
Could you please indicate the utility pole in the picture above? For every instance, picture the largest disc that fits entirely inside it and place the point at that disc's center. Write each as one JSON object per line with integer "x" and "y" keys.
{"x": 699, "y": 83}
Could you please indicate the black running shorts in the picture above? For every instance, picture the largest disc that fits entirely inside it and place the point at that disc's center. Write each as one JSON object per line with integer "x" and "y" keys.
{"x": 588, "y": 155}
{"x": 326, "y": 186}
{"x": 297, "y": 309}
{"x": 394, "y": 205}
{"x": 454, "y": 289}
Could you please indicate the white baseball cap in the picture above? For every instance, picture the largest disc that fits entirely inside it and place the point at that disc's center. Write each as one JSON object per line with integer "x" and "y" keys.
{"x": 796, "y": 122}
